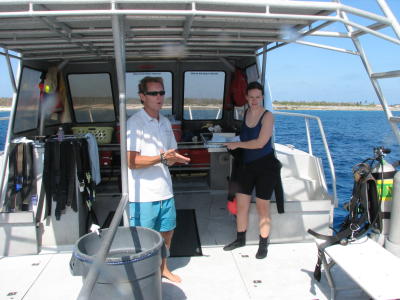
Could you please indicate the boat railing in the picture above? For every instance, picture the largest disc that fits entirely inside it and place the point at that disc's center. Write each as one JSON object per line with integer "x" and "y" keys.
{"x": 189, "y": 109}
{"x": 307, "y": 119}
{"x": 394, "y": 119}
{"x": 101, "y": 255}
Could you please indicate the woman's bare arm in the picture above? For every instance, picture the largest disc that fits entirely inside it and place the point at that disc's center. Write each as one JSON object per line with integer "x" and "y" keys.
{"x": 261, "y": 140}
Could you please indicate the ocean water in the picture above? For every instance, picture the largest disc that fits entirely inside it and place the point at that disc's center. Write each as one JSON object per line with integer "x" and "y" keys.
{"x": 351, "y": 136}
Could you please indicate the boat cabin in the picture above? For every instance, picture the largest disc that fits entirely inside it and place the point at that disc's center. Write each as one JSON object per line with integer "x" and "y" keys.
{"x": 82, "y": 97}
{"x": 79, "y": 69}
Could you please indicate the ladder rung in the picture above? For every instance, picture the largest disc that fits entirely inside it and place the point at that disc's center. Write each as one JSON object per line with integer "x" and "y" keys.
{"x": 389, "y": 74}
{"x": 395, "y": 119}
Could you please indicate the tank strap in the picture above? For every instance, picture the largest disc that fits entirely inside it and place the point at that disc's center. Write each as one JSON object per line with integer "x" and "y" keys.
{"x": 364, "y": 200}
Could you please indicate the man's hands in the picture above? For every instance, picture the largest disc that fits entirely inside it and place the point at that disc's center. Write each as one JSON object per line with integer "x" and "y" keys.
{"x": 172, "y": 157}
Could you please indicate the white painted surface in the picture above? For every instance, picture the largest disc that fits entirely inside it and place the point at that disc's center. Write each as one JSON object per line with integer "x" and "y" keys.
{"x": 374, "y": 268}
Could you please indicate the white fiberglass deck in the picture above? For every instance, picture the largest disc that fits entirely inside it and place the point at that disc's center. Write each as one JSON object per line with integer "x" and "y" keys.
{"x": 287, "y": 272}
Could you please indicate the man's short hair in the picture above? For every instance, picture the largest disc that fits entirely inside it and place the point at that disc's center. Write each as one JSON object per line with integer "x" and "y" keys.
{"x": 142, "y": 87}
{"x": 255, "y": 85}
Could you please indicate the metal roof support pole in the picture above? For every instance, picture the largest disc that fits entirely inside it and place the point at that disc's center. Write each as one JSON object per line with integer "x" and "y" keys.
{"x": 264, "y": 81}
{"x": 10, "y": 71}
{"x": 263, "y": 78}
{"x": 264, "y": 65}
{"x": 7, "y": 142}
{"x": 368, "y": 68}
{"x": 119, "y": 39}
{"x": 120, "y": 62}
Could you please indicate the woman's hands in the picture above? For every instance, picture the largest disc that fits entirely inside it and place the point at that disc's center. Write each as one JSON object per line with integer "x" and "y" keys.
{"x": 232, "y": 146}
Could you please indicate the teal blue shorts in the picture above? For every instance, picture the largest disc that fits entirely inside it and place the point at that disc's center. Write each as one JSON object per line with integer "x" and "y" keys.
{"x": 158, "y": 215}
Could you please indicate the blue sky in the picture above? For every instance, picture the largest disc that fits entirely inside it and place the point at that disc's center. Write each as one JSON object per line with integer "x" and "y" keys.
{"x": 304, "y": 73}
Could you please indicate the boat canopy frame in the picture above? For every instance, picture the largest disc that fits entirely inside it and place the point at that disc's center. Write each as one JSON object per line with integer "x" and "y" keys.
{"x": 69, "y": 30}
{"x": 60, "y": 31}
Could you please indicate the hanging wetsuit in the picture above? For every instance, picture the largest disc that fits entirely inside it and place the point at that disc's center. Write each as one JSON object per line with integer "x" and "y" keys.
{"x": 59, "y": 176}
{"x": 20, "y": 177}
{"x": 86, "y": 183}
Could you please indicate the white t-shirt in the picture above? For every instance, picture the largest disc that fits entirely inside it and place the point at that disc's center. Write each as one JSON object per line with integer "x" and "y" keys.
{"x": 149, "y": 136}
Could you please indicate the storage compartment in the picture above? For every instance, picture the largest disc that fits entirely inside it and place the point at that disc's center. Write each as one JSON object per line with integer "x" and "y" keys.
{"x": 193, "y": 176}
{"x": 199, "y": 158}
{"x": 106, "y": 158}
{"x": 220, "y": 170}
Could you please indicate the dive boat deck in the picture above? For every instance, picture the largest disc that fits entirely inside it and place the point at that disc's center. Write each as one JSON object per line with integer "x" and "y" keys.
{"x": 287, "y": 272}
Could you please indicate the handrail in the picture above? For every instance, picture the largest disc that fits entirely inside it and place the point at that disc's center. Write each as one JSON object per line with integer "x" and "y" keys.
{"x": 100, "y": 257}
{"x": 394, "y": 119}
{"x": 327, "y": 151}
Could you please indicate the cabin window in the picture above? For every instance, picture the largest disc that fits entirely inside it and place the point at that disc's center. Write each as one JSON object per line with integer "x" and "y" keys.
{"x": 203, "y": 95}
{"x": 92, "y": 98}
{"x": 133, "y": 103}
{"x": 27, "y": 114}
{"x": 252, "y": 73}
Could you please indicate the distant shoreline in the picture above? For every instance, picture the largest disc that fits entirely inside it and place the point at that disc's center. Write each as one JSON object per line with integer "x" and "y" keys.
{"x": 333, "y": 107}
{"x": 308, "y": 107}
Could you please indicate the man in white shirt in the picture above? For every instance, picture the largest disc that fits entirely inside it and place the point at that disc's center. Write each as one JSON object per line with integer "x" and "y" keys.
{"x": 151, "y": 149}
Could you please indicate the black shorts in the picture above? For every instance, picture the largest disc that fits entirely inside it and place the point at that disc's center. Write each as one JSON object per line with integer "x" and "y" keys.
{"x": 262, "y": 174}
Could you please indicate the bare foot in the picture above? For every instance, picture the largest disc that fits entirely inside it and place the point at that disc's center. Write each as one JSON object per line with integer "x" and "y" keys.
{"x": 171, "y": 277}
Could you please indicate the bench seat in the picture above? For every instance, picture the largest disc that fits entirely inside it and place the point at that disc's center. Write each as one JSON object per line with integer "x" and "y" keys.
{"x": 372, "y": 267}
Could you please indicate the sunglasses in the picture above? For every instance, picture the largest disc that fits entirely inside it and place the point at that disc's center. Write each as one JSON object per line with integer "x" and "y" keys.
{"x": 155, "y": 93}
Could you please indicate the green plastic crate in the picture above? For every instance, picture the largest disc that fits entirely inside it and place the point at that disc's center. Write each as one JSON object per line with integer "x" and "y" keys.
{"x": 103, "y": 135}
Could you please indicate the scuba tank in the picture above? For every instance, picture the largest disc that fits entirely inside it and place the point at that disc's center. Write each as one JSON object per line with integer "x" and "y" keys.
{"x": 384, "y": 172}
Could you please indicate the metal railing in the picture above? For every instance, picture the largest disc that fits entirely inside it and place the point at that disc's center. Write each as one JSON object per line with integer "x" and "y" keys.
{"x": 119, "y": 42}
{"x": 189, "y": 109}
{"x": 101, "y": 255}
{"x": 309, "y": 144}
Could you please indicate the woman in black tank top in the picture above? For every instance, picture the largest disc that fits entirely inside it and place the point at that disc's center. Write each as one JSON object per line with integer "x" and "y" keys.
{"x": 260, "y": 169}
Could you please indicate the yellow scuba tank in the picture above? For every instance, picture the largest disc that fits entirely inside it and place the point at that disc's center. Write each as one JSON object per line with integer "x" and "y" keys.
{"x": 383, "y": 173}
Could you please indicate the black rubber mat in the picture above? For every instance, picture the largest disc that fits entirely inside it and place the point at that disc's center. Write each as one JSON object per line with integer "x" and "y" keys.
{"x": 186, "y": 240}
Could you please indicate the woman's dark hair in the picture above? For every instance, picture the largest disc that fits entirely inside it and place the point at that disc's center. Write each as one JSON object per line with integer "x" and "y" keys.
{"x": 255, "y": 85}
